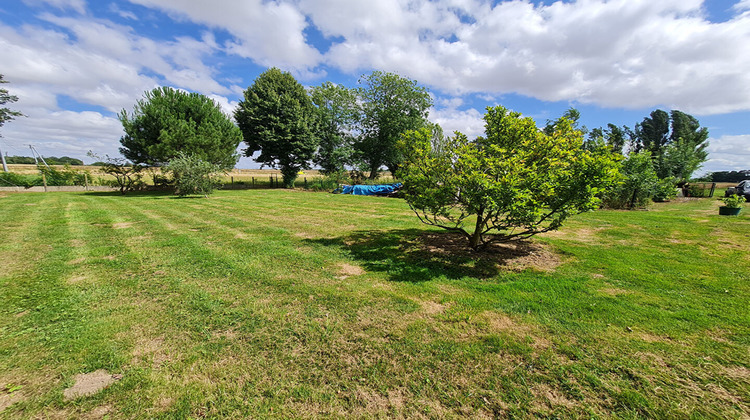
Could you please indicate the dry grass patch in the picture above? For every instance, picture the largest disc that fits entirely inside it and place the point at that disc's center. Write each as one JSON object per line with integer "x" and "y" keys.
{"x": 584, "y": 235}
{"x": 90, "y": 383}
{"x": 122, "y": 225}
{"x": 76, "y": 279}
{"x": 614, "y": 291}
{"x": 346, "y": 270}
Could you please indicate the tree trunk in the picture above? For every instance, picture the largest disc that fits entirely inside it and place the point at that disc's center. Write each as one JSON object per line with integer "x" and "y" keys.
{"x": 475, "y": 240}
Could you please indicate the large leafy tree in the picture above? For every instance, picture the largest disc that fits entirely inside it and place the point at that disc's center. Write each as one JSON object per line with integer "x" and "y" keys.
{"x": 6, "y": 114}
{"x": 676, "y": 141}
{"x": 515, "y": 182}
{"x": 391, "y": 105}
{"x": 277, "y": 118}
{"x": 168, "y": 122}
{"x": 339, "y": 115}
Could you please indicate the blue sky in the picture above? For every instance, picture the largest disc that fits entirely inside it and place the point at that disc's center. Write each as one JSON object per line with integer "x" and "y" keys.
{"x": 75, "y": 63}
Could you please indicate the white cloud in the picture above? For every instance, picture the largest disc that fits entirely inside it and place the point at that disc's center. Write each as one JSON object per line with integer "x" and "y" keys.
{"x": 728, "y": 153}
{"x": 61, "y": 133}
{"x": 77, "y": 5}
{"x": 451, "y": 119}
{"x": 94, "y": 62}
{"x": 114, "y": 8}
{"x": 619, "y": 53}
{"x": 268, "y": 32}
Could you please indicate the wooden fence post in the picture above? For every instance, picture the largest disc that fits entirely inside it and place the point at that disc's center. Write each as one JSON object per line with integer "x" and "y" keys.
{"x": 44, "y": 181}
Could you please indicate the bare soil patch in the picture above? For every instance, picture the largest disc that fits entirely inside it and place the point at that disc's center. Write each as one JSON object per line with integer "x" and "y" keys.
{"x": 90, "y": 383}
{"x": 513, "y": 256}
{"x": 346, "y": 270}
{"x": 6, "y": 400}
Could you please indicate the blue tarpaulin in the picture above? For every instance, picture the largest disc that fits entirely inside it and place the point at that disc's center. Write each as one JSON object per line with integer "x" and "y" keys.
{"x": 383, "y": 189}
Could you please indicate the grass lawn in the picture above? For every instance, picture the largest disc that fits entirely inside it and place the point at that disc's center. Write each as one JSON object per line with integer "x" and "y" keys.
{"x": 273, "y": 303}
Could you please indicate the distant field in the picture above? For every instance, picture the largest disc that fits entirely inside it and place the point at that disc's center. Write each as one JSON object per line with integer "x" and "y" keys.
{"x": 30, "y": 169}
{"x": 290, "y": 304}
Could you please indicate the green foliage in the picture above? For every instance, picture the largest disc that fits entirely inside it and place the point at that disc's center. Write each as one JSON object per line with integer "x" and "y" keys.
{"x": 637, "y": 184}
{"x": 64, "y": 176}
{"x": 733, "y": 201}
{"x": 517, "y": 181}
{"x": 666, "y": 189}
{"x": 6, "y": 114}
{"x": 391, "y": 106}
{"x": 278, "y": 119}
{"x": 614, "y": 137}
{"x": 676, "y": 141}
{"x": 12, "y": 179}
{"x": 193, "y": 175}
{"x": 51, "y": 160}
{"x": 338, "y": 114}
{"x": 54, "y": 177}
{"x": 169, "y": 121}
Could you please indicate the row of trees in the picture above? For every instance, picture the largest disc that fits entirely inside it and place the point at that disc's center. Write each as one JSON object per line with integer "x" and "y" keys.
{"x": 51, "y": 160}
{"x": 283, "y": 125}
{"x": 330, "y": 125}
{"x": 662, "y": 151}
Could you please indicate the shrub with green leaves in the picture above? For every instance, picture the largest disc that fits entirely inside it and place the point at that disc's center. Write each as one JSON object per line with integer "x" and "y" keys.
{"x": 193, "y": 176}
{"x": 637, "y": 185}
{"x": 734, "y": 201}
{"x": 516, "y": 182}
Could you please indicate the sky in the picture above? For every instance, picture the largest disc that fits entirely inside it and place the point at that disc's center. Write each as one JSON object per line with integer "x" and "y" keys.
{"x": 75, "y": 64}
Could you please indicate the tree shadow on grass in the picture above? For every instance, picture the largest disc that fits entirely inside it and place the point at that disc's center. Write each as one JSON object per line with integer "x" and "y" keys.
{"x": 413, "y": 255}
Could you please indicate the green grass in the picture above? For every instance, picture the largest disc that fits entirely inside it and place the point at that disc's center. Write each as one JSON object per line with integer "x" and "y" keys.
{"x": 273, "y": 303}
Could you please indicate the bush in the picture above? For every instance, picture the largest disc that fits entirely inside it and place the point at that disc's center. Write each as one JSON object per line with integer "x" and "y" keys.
{"x": 638, "y": 183}
{"x": 12, "y": 179}
{"x": 516, "y": 182}
{"x": 193, "y": 175}
{"x": 665, "y": 190}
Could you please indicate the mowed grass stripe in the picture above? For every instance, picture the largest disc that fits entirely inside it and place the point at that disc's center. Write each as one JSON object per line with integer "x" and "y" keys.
{"x": 206, "y": 322}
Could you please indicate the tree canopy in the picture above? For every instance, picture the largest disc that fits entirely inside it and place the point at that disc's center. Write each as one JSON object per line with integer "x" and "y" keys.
{"x": 278, "y": 119}
{"x": 339, "y": 116}
{"x": 168, "y": 122}
{"x": 391, "y": 105}
{"x": 676, "y": 141}
{"x": 515, "y": 182}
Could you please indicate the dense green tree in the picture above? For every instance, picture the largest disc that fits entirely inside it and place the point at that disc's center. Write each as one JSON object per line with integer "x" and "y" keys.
{"x": 6, "y": 114}
{"x": 339, "y": 116}
{"x": 193, "y": 176}
{"x": 652, "y": 133}
{"x": 277, "y": 118}
{"x": 516, "y": 181}
{"x": 391, "y": 106}
{"x": 676, "y": 141}
{"x": 168, "y": 122}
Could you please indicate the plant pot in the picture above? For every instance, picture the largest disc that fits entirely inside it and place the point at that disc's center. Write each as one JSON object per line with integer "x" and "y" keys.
{"x": 729, "y": 211}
